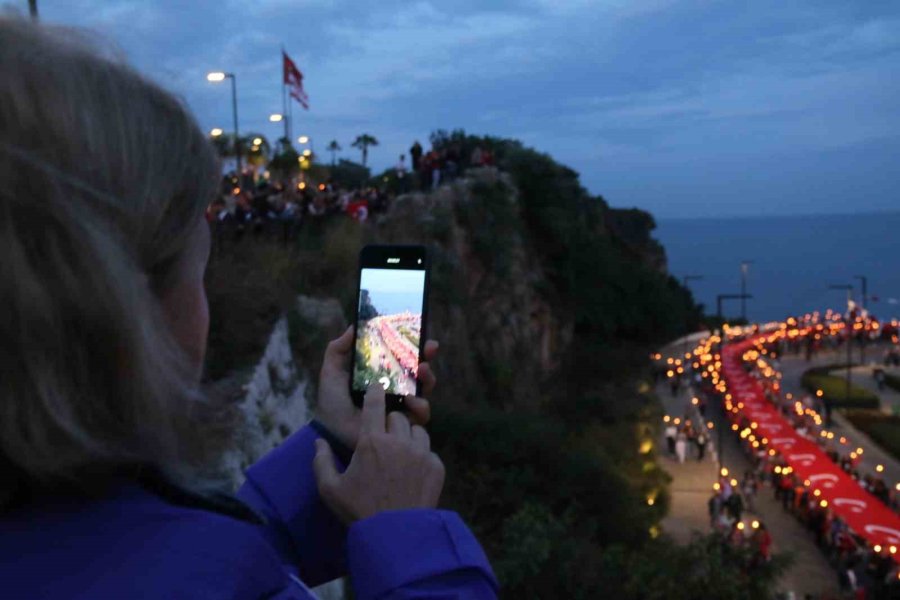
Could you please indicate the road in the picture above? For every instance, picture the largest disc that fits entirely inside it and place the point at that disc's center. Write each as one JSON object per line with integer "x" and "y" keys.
{"x": 691, "y": 488}
{"x": 792, "y": 369}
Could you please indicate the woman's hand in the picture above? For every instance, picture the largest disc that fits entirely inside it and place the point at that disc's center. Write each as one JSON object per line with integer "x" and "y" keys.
{"x": 335, "y": 409}
{"x": 393, "y": 466}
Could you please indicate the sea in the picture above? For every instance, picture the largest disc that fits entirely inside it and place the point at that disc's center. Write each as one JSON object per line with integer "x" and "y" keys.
{"x": 792, "y": 261}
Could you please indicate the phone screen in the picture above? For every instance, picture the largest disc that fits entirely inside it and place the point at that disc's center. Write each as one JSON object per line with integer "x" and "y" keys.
{"x": 389, "y": 327}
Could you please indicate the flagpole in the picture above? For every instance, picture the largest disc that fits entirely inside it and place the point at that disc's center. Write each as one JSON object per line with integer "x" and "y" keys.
{"x": 284, "y": 97}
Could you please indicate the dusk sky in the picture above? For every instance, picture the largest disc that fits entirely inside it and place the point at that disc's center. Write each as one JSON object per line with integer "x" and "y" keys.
{"x": 690, "y": 108}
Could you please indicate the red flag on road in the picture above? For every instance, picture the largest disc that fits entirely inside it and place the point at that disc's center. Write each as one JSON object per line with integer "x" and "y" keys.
{"x": 293, "y": 78}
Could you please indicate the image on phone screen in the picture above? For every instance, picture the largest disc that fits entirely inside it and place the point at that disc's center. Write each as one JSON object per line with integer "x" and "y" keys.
{"x": 388, "y": 329}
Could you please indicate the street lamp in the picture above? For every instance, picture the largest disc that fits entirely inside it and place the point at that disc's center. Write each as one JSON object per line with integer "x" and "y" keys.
{"x": 257, "y": 141}
{"x": 721, "y": 297}
{"x": 864, "y": 281}
{"x": 684, "y": 283}
{"x": 218, "y": 77}
{"x": 303, "y": 139}
{"x": 215, "y": 132}
{"x": 745, "y": 267}
{"x": 276, "y": 117}
{"x": 847, "y": 326}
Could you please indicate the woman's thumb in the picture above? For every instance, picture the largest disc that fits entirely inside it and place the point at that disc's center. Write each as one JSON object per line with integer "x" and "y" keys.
{"x": 327, "y": 476}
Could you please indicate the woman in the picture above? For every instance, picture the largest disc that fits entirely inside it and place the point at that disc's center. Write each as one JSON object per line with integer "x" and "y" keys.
{"x": 107, "y": 449}
{"x": 681, "y": 445}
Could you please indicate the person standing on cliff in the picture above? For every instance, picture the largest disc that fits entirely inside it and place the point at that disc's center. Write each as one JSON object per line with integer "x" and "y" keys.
{"x": 415, "y": 155}
{"x": 111, "y": 456}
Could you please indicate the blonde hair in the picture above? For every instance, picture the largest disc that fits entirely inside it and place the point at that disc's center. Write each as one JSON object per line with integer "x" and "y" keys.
{"x": 103, "y": 178}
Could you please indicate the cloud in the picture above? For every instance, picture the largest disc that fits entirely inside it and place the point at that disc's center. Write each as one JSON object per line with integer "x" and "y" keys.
{"x": 637, "y": 95}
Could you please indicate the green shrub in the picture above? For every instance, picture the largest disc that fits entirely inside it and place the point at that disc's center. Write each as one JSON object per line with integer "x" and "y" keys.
{"x": 892, "y": 381}
{"x": 834, "y": 389}
{"x": 883, "y": 429}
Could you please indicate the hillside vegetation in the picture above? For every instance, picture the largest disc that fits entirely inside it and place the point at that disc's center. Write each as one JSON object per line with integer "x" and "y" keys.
{"x": 546, "y": 302}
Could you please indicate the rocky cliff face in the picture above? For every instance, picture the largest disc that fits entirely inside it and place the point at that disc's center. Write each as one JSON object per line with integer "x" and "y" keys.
{"x": 500, "y": 336}
{"x": 273, "y": 400}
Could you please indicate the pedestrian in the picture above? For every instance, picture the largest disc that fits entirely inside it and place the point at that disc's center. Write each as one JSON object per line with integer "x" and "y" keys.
{"x": 681, "y": 446}
{"x": 477, "y": 158}
{"x": 749, "y": 487}
{"x": 735, "y": 505}
{"x": 763, "y": 541}
{"x": 714, "y": 507}
{"x": 671, "y": 433}
{"x": 701, "y": 445}
{"x": 401, "y": 174}
{"x": 111, "y": 455}
{"x": 437, "y": 164}
{"x": 415, "y": 155}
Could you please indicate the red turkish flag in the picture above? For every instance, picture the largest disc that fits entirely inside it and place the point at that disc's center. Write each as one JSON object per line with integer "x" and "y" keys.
{"x": 293, "y": 78}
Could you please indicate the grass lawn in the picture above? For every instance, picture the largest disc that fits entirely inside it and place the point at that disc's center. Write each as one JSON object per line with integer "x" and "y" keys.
{"x": 835, "y": 389}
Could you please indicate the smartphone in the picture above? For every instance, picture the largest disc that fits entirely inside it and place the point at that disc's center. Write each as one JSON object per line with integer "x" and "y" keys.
{"x": 391, "y": 312}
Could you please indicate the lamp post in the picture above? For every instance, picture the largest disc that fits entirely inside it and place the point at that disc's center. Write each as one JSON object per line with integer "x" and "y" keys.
{"x": 721, "y": 297}
{"x": 864, "y": 282}
{"x": 684, "y": 283}
{"x": 847, "y": 326}
{"x": 745, "y": 267}
{"x": 217, "y": 77}
{"x": 282, "y": 118}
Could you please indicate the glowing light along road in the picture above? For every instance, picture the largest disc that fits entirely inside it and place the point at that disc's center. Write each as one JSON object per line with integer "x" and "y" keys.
{"x": 762, "y": 425}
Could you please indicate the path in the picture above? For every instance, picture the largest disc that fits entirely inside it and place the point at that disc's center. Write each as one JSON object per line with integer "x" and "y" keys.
{"x": 691, "y": 488}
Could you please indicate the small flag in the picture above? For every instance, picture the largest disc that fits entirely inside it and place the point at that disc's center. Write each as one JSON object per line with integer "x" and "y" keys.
{"x": 293, "y": 78}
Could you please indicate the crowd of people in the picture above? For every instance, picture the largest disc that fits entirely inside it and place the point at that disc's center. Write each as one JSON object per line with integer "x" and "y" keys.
{"x": 270, "y": 208}
{"x": 441, "y": 165}
{"x": 275, "y": 209}
{"x": 865, "y": 571}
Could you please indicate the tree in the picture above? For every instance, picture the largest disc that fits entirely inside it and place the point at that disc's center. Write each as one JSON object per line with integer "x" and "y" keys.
{"x": 224, "y": 144}
{"x": 258, "y": 148}
{"x": 363, "y": 142}
{"x": 334, "y": 148}
{"x": 286, "y": 160}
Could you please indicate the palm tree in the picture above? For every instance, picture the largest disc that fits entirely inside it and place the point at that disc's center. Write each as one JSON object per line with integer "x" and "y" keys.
{"x": 334, "y": 148}
{"x": 257, "y": 153}
{"x": 363, "y": 142}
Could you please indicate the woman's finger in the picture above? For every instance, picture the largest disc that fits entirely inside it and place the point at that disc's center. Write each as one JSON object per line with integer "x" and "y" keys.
{"x": 426, "y": 377}
{"x": 431, "y": 349}
{"x": 372, "y": 416}
{"x": 418, "y": 410}
{"x": 398, "y": 424}
{"x": 338, "y": 350}
{"x": 420, "y": 437}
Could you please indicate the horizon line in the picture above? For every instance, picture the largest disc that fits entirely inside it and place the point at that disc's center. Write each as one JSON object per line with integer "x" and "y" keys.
{"x": 769, "y": 216}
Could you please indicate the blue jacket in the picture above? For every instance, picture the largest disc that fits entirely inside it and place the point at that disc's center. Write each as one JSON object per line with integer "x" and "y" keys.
{"x": 134, "y": 543}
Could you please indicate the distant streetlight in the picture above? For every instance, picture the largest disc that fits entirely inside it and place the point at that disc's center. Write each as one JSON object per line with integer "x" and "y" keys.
{"x": 217, "y": 77}
{"x": 257, "y": 141}
{"x": 849, "y": 328}
{"x": 276, "y": 117}
{"x": 685, "y": 281}
{"x": 215, "y": 132}
{"x": 307, "y": 152}
{"x": 863, "y": 298}
{"x": 303, "y": 139}
{"x": 745, "y": 267}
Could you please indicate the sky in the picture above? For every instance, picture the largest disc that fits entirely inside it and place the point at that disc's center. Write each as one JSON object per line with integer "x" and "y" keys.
{"x": 394, "y": 291}
{"x": 683, "y": 108}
